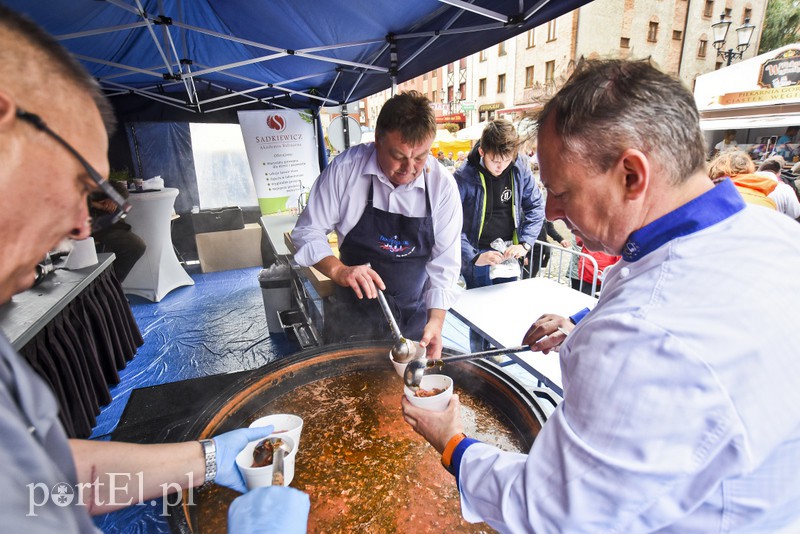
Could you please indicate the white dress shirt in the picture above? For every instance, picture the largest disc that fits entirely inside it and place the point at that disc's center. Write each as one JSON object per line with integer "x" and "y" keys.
{"x": 681, "y": 408}
{"x": 338, "y": 197}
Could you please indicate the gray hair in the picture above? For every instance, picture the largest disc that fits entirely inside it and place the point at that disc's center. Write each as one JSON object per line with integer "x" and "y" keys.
{"x": 20, "y": 37}
{"x": 609, "y": 106}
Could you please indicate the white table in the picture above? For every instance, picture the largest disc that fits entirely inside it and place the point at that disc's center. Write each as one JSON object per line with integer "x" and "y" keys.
{"x": 503, "y": 313}
{"x": 157, "y": 272}
{"x": 275, "y": 226}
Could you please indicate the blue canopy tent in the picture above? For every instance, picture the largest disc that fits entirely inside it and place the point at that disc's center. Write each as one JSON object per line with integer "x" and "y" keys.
{"x": 167, "y": 63}
{"x": 204, "y": 57}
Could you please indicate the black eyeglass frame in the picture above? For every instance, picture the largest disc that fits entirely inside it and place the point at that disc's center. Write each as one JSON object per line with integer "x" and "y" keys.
{"x": 123, "y": 207}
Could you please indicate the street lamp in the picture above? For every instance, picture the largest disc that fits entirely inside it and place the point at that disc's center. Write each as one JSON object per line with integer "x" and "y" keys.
{"x": 452, "y": 105}
{"x": 743, "y": 34}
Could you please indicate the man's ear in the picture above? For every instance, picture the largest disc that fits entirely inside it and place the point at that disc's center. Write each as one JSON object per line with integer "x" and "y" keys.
{"x": 635, "y": 168}
{"x": 8, "y": 110}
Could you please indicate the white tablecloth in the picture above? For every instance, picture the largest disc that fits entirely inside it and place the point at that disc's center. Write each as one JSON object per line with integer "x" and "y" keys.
{"x": 504, "y": 312}
{"x": 157, "y": 272}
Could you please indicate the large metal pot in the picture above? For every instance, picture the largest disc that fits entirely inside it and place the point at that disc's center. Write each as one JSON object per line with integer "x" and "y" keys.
{"x": 509, "y": 405}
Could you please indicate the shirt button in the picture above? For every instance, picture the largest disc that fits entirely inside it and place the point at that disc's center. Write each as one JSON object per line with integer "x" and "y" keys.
{"x": 624, "y": 272}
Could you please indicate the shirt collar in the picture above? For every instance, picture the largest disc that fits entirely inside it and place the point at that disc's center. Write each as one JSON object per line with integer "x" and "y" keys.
{"x": 708, "y": 209}
{"x": 372, "y": 168}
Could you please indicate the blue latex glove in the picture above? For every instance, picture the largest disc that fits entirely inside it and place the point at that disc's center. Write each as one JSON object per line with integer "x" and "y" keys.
{"x": 228, "y": 446}
{"x": 269, "y": 510}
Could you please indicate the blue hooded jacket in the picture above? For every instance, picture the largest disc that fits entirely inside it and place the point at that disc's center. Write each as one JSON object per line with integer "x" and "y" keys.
{"x": 528, "y": 208}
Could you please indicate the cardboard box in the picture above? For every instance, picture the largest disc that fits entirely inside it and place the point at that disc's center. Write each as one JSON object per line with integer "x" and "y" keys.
{"x": 232, "y": 249}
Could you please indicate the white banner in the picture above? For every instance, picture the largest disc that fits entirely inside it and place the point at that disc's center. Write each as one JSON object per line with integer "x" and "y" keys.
{"x": 282, "y": 151}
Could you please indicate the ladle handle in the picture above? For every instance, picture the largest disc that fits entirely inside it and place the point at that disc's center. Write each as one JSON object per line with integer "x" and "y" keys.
{"x": 484, "y": 354}
{"x": 389, "y": 317}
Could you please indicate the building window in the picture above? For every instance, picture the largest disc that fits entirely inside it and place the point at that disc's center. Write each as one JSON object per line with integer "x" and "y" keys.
{"x": 550, "y": 72}
{"x": 718, "y": 65}
{"x": 708, "y": 10}
{"x": 462, "y": 91}
{"x": 747, "y": 15}
{"x": 624, "y": 42}
{"x": 531, "y": 38}
{"x": 551, "y": 30}
{"x": 501, "y": 83}
{"x": 728, "y": 12}
{"x": 501, "y": 49}
{"x": 528, "y": 76}
{"x": 425, "y": 76}
{"x": 701, "y": 50}
{"x": 435, "y": 73}
{"x": 676, "y": 35}
{"x": 652, "y": 32}
{"x": 482, "y": 55}
{"x": 482, "y": 87}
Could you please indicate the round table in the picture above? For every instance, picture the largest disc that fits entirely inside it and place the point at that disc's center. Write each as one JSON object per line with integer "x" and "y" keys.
{"x": 157, "y": 272}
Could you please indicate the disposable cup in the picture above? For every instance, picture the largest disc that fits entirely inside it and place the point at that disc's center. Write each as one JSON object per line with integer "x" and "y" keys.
{"x": 436, "y": 403}
{"x": 400, "y": 368}
{"x": 285, "y": 423}
{"x": 255, "y": 477}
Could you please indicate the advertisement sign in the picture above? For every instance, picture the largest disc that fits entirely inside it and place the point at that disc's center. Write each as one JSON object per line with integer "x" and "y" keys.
{"x": 782, "y": 71}
{"x": 282, "y": 152}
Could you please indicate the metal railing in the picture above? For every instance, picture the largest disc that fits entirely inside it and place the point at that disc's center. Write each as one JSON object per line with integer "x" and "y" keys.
{"x": 558, "y": 267}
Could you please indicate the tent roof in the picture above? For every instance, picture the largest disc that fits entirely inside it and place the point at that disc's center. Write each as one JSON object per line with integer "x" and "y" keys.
{"x": 205, "y": 56}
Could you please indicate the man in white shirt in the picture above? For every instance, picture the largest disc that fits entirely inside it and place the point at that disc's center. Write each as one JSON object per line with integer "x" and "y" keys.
{"x": 728, "y": 142}
{"x": 397, "y": 215}
{"x": 680, "y": 386}
{"x": 54, "y": 155}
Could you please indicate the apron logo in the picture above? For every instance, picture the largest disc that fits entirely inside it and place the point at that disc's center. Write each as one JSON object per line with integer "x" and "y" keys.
{"x": 398, "y": 247}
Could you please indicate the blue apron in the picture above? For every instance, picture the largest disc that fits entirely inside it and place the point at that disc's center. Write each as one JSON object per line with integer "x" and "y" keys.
{"x": 398, "y": 247}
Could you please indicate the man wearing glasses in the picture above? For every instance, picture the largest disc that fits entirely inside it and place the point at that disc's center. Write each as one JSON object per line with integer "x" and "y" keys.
{"x": 53, "y": 144}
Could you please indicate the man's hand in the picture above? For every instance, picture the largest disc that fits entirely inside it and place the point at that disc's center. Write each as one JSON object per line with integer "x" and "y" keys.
{"x": 360, "y": 278}
{"x": 107, "y": 205}
{"x": 490, "y": 257}
{"x": 514, "y": 251}
{"x": 547, "y": 333}
{"x": 436, "y": 427}
{"x": 432, "y": 333}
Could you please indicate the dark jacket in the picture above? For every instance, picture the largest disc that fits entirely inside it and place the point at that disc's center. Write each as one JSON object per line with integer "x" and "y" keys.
{"x": 528, "y": 206}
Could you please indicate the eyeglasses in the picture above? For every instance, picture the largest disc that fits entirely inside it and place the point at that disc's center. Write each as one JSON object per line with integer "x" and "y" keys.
{"x": 98, "y": 223}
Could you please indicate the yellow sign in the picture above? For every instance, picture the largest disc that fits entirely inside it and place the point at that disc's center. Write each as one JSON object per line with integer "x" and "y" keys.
{"x": 762, "y": 95}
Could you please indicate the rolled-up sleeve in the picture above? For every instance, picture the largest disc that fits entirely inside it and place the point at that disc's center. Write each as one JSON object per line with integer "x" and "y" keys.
{"x": 444, "y": 266}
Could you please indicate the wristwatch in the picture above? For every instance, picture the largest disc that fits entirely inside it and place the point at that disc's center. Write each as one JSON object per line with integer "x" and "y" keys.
{"x": 526, "y": 246}
{"x": 210, "y": 453}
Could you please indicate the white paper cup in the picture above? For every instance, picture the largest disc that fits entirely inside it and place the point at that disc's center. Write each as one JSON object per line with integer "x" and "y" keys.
{"x": 400, "y": 368}
{"x": 437, "y": 403}
{"x": 255, "y": 477}
{"x": 82, "y": 255}
{"x": 285, "y": 423}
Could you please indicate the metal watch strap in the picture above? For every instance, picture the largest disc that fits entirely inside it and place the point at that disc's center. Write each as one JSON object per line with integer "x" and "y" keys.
{"x": 210, "y": 453}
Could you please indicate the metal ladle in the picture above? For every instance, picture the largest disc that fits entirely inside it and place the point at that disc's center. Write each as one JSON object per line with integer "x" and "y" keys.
{"x": 404, "y": 350}
{"x": 415, "y": 369}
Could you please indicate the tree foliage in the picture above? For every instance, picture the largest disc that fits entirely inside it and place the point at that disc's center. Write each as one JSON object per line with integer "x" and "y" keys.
{"x": 781, "y": 25}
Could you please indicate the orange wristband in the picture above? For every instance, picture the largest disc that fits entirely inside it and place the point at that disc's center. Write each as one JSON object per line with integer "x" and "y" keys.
{"x": 447, "y": 455}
